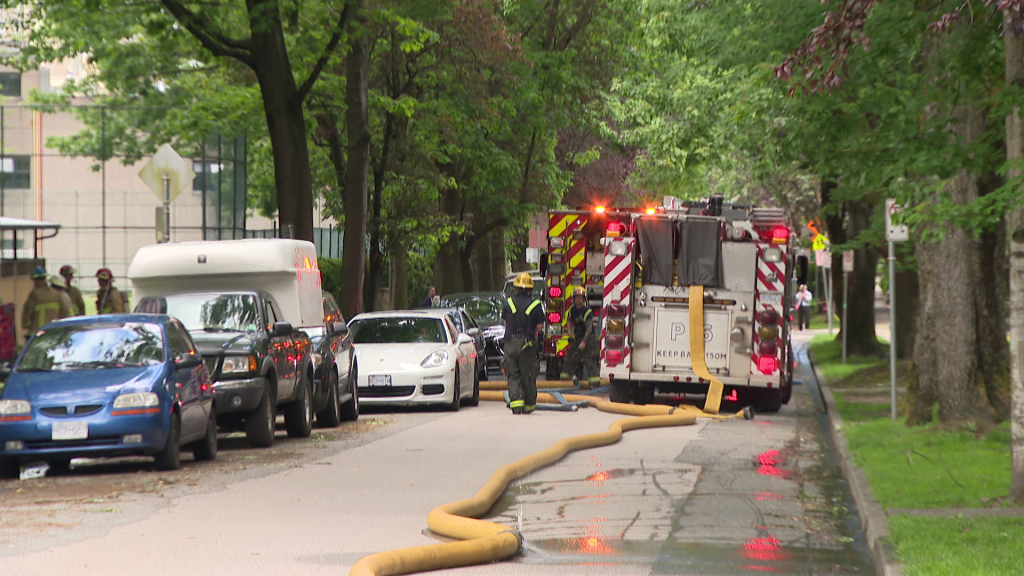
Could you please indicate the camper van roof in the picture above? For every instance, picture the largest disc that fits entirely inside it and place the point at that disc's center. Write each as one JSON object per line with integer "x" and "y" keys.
{"x": 219, "y": 257}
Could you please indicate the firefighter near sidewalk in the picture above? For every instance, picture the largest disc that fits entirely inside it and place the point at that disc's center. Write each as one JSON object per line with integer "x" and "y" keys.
{"x": 523, "y": 316}
{"x": 583, "y": 349}
{"x": 44, "y": 304}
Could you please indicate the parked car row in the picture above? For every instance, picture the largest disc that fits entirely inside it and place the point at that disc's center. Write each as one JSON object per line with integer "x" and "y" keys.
{"x": 225, "y": 335}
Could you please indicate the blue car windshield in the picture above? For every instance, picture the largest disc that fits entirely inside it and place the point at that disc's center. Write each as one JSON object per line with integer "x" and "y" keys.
{"x": 207, "y": 312}
{"x": 397, "y": 330}
{"x": 93, "y": 346}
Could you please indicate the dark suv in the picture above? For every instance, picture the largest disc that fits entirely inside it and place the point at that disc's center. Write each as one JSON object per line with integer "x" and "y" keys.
{"x": 257, "y": 362}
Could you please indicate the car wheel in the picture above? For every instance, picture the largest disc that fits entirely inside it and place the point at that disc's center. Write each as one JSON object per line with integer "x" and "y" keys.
{"x": 60, "y": 465}
{"x": 618, "y": 391}
{"x": 170, "y": 457}
{"x": 330, "y": 416}
{"x": 350, "y": 411}
{"x": 206, "y": 449}
{"x": 456, "y": 396}
{"x": 768, "y": 400}
{"x": 474, "y": 400}
{"x": 259, "y": 426}
{"x": 482, "y": 367}
{"x": 298, "y": 415}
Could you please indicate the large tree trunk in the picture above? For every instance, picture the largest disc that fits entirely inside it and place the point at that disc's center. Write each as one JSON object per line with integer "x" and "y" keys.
{"x": 399, "y": 276}
{"x": 990, "y": 294}
{"x": 860, "y": 314}
{"x": 286, "y": 126}
{"x": 1014, "y": 52}
{"x": 946, "y": 359}
{"x": 354, "y": 250}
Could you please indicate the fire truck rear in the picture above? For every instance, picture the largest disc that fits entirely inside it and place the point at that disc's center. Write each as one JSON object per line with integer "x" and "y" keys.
{"x": 740, "y": 255}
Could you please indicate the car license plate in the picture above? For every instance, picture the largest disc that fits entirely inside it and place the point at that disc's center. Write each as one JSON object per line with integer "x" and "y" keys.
{"x": 775, "y": 299}
{"x": 70, "y": 431}
{"x": 380, "y": 380}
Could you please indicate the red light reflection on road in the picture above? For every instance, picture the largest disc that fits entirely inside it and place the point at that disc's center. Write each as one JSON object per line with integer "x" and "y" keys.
{"x": 766, "y": 496}
{"x": 764, "y": 548}
{"x": 598, "y": 476}
{"x": 769, "y": 461}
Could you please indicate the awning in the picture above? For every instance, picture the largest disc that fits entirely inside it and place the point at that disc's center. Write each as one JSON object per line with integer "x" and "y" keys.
{"x": 7, "y": 223}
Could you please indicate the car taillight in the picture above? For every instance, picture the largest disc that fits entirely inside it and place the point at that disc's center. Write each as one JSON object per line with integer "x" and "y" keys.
{"x": 613, "y": 356}
{"x": 555, "y": 291}
{"x": 780, "y": 235}
{"x": 555, "y": 317}
{"x": 766, "y": 364}
{"x": 615, "y": 229}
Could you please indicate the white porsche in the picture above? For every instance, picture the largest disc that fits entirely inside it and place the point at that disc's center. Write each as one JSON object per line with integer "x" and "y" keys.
{"x": 408, "y": 357}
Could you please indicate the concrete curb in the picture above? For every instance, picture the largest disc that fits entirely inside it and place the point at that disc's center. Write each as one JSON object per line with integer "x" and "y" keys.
{"x": 872, "y": 517}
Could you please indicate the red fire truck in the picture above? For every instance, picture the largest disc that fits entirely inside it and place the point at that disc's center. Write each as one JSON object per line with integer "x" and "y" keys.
{"x": 738, "y": 253}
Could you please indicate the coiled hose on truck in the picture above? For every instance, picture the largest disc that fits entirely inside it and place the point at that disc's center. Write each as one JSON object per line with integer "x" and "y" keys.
{"x": 483, "y": 541}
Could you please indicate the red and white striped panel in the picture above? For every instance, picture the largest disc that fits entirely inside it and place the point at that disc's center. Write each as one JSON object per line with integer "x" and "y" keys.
{"x": 771, "y": 280}
{"x": 618, "y": 284}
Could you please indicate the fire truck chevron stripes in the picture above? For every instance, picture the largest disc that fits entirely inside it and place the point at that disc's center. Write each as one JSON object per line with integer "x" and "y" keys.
{"x": 770, "y": 279}
{"x": 557, "y": 223}
{"x": 618, "y": 283}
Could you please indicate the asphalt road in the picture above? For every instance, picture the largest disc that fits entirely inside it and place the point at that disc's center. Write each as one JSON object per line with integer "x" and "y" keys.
{"x": 719, "y": 497}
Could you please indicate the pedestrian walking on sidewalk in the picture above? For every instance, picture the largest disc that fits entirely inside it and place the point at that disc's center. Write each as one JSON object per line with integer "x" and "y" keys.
{"x": 803, "y": 307}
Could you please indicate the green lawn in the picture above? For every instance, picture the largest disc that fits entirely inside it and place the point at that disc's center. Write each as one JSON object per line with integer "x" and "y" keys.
{"x": 933, "y": 466}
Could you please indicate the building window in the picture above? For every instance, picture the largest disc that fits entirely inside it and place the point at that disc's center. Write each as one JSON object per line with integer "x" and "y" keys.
{"x": 10, "y": 84}
{"x": 206, "y": 175}
{"x": 15, "y": 172}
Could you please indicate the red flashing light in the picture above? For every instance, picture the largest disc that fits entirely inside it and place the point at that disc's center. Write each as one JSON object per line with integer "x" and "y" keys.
{"x": 767, "y": 364}
{"x": 780, "y": 234}
{"x": 651, "y": 210}
{"x": 555, "y": 317}
{"x": 615, "y": 341}
{"x": 561, "y": 353}
{"x": 555, "y": 291}
{"x": 613, "y": 356}
{"x": 615, "y": 229}
{"x": 599, "y": 209}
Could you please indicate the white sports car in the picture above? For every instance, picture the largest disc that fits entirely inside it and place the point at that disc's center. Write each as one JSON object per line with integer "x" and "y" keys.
{"x": 408, "y": 357}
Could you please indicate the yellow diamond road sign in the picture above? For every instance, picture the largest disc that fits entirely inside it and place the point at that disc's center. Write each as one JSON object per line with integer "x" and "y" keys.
{"x": 167, "y": 162}
{"x": 820, "y": 242}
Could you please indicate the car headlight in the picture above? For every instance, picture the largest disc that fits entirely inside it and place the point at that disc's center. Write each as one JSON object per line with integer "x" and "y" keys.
{"x": 238, "y": 365}
{"x": 137, "y": 400}
{"x": 436, "y": 359}
{"x": 11, "y": 407}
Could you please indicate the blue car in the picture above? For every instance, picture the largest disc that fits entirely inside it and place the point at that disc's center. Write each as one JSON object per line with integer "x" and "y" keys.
{"x": 113, "y": 385}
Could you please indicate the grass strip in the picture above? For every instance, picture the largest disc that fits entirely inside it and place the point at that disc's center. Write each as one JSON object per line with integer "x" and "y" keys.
{"x": 956, "y": 545}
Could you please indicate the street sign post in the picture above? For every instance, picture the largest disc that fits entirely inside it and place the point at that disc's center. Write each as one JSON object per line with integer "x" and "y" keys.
{"x": 166, "y": 174}
{"x": 893, "y": 233}
{"x": 847, "y": 268}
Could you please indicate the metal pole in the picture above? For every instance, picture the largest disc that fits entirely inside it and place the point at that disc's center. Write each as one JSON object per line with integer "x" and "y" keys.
{"x": 846, "y": 291}
{"x": 892, "y": 330}
{"x": 167, "y": 208}
{"x": 828, "y": 290}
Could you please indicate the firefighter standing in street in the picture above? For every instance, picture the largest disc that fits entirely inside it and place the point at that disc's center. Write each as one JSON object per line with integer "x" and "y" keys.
{"x": 583, "y": 347}
{"x": 522, "y": 316}
{"x": 77, "y": 302}
{"x": 44, "y": 304}
{"x": 108, "y": 298}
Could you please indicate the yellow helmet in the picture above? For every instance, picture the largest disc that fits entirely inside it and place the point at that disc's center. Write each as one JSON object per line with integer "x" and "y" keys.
{"x": 523, "y": 280}
{"x": 579, "y": 292}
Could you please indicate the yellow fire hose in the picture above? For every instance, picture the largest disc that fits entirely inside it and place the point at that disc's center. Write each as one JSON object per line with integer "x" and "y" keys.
{"x": 483, "y": 541}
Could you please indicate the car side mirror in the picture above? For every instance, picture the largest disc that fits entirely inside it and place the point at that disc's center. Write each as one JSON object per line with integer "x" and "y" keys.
{"x": 281, "y": 329}
{"x": 188, "y": 360}
{"x": 474, "y": 332}
{"x": 464, "y": 339}
{"x": 340, "y": 328}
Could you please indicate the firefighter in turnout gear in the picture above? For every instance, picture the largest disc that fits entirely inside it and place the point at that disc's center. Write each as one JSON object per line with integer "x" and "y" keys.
{"x": 77, "y": 302}
{"x": 522, "y": 316}
{"x": 108, "y": 298}
{"x": 44, "y": 304}
{"x": 584, "y": 347}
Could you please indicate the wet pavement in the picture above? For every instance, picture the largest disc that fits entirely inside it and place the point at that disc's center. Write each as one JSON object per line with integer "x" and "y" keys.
{"x": 745, "y": 496}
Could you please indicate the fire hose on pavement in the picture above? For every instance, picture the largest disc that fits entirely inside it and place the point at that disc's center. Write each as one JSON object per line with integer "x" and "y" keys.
{"x": 484, "y": 541}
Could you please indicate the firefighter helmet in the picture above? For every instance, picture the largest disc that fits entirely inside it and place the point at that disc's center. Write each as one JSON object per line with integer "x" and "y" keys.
{"x": 39, "y": 273}
{"x": 104, "y": 274}
{"x": 67, "y": 270}
{"x": 579, "y": 291}
{"x": 523, "y": 280}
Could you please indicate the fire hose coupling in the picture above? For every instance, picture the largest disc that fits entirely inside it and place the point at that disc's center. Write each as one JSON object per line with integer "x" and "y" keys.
{"x": 516, "y": 533}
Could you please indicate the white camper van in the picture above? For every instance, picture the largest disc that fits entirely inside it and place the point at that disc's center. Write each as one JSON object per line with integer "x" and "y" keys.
{"x": 245, "y": 303}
